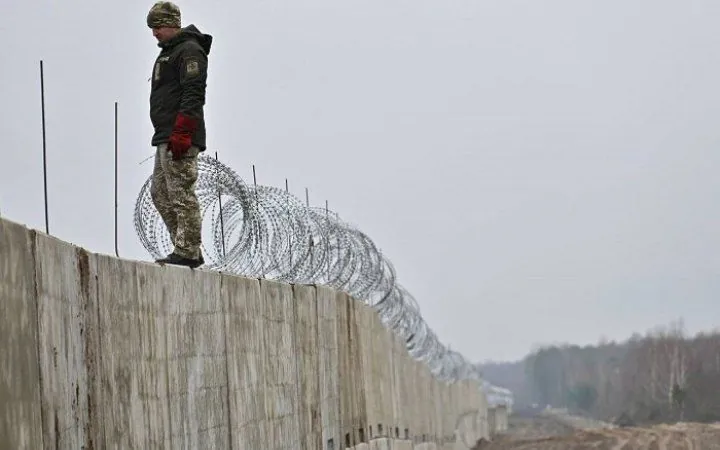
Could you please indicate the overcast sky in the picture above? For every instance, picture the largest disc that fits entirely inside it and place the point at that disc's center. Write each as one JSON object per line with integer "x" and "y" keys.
{"x": 537, "y": 171}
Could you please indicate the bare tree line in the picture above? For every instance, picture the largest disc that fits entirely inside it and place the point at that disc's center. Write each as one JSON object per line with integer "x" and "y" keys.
{"x": 663, "y": 376}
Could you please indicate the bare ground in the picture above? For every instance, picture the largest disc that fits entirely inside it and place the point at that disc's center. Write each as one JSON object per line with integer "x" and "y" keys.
{"x": 542, "y": 433}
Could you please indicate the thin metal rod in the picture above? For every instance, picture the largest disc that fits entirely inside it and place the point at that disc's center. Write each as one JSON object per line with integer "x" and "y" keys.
{"x": 287, "y": 207}
{"x": 44, "y": 144}
{"x": 327, "y": 220}
{"x": 117, "y": 253}
{"x": 262, "y": 261}
{"x": 222, "y": 223}
{"x": 312, "y": 241}
{"x": 255, "y": 180}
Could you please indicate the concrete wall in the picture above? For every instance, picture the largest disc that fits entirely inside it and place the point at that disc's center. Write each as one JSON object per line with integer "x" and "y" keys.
{"x": 20, "y": 421}
{"x": 497, "y": 419}
{"x": 100, "y": 352}
{"x": 501, "y": 419}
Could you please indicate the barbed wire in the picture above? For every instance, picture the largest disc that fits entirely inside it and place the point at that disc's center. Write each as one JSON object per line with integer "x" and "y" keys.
{"x": 267, "y": 232}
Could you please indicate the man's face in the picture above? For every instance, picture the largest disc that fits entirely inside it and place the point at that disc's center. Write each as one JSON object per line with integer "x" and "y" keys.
{"x": 162, "y": 34}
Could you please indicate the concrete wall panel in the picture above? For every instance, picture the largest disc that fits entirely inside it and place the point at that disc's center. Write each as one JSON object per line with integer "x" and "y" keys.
{"x": 306, "y": 329}
{"x": 492, "y": 426}
{"x": 404, "y": 386}
{"x": 20, "y": 410}
{"x": 133, "y": 355}
{"x": 197, "y": 371}
{"x": 466, "y": 432}
{"x": 501, "y": 419}
{"x": 394, "y": 375}
{"x": 328, "y": 358}
{"x": 482, "y": 421}
{"x": 454, "y": 412}
{"x": 245, "y": 362}
{"x": 359, "y": 401}
{"x": 449, "y": 418}
{"x": 370, "y": 385}
{"x": 414, "y": 397}
{"x": 281, "y": 385}
{"x": 427, "y": 400}
{"x": 382, "y": 374}
{"x": 437, "y": 408}
{"x": 345, "y": 375}
{"x": 62, "y": 280}
{"x": 411, "y": 383}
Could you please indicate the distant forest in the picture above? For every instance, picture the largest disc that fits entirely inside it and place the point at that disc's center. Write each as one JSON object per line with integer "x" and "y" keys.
{"x": 664, "y": 376}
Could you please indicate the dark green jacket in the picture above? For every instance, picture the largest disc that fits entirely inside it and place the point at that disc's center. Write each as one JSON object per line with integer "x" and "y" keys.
{"x": 179, "y": 79}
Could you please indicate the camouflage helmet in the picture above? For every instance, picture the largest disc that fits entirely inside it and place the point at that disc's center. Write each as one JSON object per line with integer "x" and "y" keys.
{"x": 164, "y": 14}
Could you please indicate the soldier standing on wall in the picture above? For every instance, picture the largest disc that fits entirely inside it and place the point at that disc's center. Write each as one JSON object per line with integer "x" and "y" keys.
{"x": 177, "y": 98}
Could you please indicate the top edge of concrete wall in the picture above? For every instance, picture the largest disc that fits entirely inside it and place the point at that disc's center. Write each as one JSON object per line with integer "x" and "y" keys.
{"x": 78, "y": 247}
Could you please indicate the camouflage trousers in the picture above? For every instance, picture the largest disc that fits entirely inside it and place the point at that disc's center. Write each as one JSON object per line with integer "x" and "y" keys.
{"x": 173, "y": 194}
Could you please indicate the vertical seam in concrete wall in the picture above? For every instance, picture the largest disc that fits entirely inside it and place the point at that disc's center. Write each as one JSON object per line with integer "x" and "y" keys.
{"x": 226, "y": 312}
{"x": 88, "y": 338}
{"x": 316, "y": 421}
{"x": 267, "y": 417}
{"x": 33, "y": 252}
{"x": 99, "y": 359}
{"x": 352, "y": 367}
{"x": 298, "y": 389}
{"x": 167, "y": 366}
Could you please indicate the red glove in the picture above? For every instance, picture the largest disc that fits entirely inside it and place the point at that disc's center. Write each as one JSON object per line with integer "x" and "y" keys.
{"x": 181, "y": 137}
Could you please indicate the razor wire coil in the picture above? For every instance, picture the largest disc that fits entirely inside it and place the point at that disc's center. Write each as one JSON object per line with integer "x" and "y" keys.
{"x": 266, "y": 232}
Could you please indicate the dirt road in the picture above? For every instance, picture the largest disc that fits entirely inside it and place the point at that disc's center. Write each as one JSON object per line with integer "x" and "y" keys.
{"x": 534, "y": 434}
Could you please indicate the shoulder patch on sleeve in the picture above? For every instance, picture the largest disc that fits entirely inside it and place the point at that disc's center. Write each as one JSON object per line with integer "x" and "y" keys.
{"x": 192, "y": 67}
